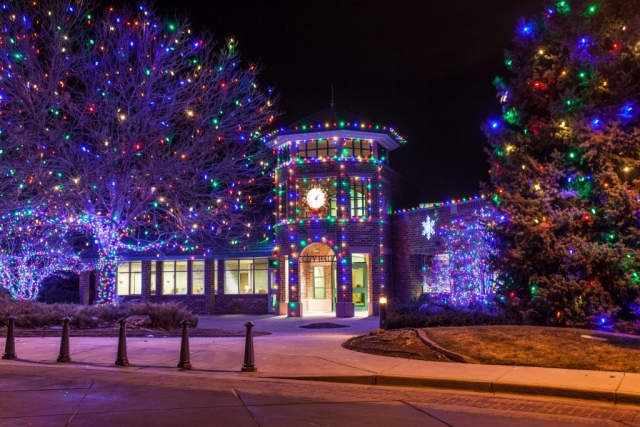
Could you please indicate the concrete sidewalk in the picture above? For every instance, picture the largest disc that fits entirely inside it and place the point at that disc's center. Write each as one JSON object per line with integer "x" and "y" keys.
{"x": 319, "y": 356}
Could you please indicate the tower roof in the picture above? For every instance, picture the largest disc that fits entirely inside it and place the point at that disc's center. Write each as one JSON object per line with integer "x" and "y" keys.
{"x": 329, "y": 115}
{"x": 333, "y": 121}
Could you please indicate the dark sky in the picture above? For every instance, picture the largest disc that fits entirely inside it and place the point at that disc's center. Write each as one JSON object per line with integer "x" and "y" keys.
{"x": 422, "y": 66}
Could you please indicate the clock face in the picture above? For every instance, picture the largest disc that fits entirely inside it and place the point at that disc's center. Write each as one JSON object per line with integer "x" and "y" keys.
{"x": 316, "y": 198}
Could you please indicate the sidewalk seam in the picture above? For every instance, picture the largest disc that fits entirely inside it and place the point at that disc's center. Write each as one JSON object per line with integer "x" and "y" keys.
{"x": 80, "y": 403}
{"x": 246, "y": 406}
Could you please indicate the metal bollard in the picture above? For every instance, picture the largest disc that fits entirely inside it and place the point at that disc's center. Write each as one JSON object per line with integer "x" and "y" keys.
{"x": 122, "y": 359}
{"x": 383, "y": 312}
{"x": 64, "y": 342}
{"x": 185, "y": 354}
{"x": 249, "y": 364}
{"x": 10, "y": 348}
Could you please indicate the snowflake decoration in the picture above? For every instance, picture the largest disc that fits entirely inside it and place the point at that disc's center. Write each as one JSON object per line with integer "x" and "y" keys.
{"x": 428, "y": 228}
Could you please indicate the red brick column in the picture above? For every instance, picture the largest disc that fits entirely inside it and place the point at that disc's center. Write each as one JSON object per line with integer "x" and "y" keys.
{"x": 146, "y": 281}
{"x": 85, "y": 279}
{"x": 209, "y": 284}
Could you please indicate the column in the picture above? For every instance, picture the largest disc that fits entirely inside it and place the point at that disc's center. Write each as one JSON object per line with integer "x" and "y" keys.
{"x": 209, "y": 284}
{"x": 85, "y": 286}
{"x": 146, "y": 281}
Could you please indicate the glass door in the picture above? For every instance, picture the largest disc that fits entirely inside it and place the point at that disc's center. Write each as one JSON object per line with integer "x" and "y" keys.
{"x": 359, "y": 285}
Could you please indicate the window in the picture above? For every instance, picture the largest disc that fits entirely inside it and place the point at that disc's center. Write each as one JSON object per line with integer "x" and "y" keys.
{"x": 360, "y": 195}
{"x": 317, "y": 149}
{"x": 197, "y": 277}
{"x": 355, "y": 148}
{"x": 246, "y": 276}
{"x": 130, "y": 278}
{"x": 174, "y": 277}
{"x": 154, "y": 277}
{"x": 319, "y": 283}
{"x": 283, "y": 153}
{"x": 261, "y": 275}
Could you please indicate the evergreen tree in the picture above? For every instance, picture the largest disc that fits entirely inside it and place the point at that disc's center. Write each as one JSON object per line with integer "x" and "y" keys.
{"x": 565, "y": 162}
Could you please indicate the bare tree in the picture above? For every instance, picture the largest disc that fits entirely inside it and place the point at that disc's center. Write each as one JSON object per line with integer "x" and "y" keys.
{"x": 143, "y": 132}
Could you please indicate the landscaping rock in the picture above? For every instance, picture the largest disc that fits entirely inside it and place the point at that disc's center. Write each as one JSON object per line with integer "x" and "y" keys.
{"x": 139, "y": 321}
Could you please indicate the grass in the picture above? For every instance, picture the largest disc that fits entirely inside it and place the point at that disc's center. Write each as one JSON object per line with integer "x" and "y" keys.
{"x": 541, "y": 346}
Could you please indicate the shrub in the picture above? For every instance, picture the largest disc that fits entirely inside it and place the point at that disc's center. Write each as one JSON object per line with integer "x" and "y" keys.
{"x": 430, "y": 312}
{"x": 62, "y": 288}
{"x": 34, "y": 314}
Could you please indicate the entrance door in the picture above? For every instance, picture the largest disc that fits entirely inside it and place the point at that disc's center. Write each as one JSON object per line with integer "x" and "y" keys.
{"x": 359, "y": 285}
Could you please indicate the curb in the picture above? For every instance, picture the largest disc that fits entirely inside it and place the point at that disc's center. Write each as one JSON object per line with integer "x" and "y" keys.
{"x": 450, "y": 354}
{"x": 490, "y": 387}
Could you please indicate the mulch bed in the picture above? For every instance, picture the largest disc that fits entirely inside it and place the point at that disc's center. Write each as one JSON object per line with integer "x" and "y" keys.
{"x": 324, "y": 325}
{"x": 401, "y": 343}
{"x": 131, "y": 332}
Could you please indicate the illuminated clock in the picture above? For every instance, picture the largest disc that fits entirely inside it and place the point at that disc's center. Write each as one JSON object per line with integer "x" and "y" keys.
{"x": 316, "y": 200}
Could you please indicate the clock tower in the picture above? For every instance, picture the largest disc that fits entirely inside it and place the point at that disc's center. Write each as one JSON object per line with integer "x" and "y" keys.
{"x": 334, "y": 191}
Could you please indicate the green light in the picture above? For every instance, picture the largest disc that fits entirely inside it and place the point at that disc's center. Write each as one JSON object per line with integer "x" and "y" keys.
{"x": 172, "y": 27}
{"x": 591, "y": 10}
{"x": 563, "y": 7}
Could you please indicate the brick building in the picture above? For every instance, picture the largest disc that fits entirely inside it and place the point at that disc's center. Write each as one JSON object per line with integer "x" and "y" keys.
{"x": 341, "y": 240}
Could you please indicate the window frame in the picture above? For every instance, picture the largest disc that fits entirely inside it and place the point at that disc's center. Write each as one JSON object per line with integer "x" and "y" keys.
{"x": 239, "y": 271}
{"x": 130, "y": 274}
{"x": 175, "y": 273}
{"x": 360, "y": 201}
{"x": 324, "y": 282}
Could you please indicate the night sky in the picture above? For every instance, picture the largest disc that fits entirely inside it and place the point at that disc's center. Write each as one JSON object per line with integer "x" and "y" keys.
{"x": 424, "y": 67}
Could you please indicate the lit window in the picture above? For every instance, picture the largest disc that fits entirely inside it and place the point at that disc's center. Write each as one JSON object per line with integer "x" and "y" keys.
{"x": 360, "y": 194}
{"x": 154, "y": 277}
{"x": 130, "y": 278}
{"x": 197, "y": 275}
{"x": 174, "y": 277}
{"x": 246, "y": 276}
{"x": 319, "y": 282}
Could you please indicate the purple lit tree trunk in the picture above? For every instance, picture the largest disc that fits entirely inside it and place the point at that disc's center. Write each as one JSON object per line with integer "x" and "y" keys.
{"x": 143, "y": 132}
{"x": 32, "y": 249}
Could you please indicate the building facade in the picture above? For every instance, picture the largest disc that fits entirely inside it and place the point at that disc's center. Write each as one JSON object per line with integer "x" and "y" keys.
{"x": 342, "y": 240}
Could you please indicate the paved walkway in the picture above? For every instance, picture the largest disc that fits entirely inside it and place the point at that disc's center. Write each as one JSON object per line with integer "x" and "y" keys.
{"x": 283, "y": 325}
{"x": 311, "y": 354}
{"x": 72, "y": 396}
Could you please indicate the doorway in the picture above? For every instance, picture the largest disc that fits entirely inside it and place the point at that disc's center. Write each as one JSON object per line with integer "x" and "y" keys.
{"x": 359, "y": 282}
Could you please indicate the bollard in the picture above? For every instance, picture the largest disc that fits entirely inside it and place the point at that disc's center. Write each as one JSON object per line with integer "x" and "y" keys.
{"x": 383, "y": 312}
{"x": 64, "y": 342}
{"x": 185, "y": 354}
{"x": 10, "y": 348}
{"x": 122, "y": 359}
{"x": 249, "y": 364}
